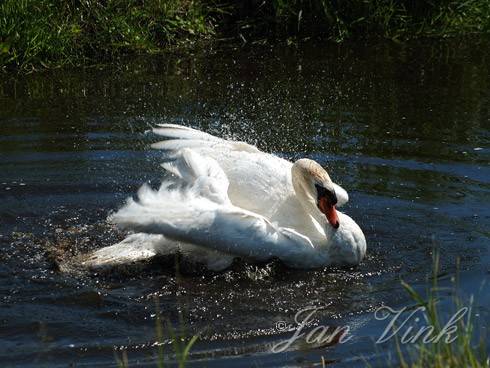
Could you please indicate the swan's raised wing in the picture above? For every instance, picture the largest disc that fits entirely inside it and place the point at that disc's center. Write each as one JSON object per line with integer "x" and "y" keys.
{"x": 258, "y": 181}
{"x": 180, "y": 132}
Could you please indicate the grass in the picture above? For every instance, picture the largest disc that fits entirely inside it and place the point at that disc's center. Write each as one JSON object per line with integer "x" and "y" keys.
{"x": 393, "y": 19}
{"x": 57, "y": 32}
{"x": 49, "y": 33}
{"x": 181, "y": 344}
{"x": 462, "y": 352}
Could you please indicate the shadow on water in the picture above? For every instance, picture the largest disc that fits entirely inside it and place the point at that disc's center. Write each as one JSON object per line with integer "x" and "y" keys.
{"x": 405, "y": 129}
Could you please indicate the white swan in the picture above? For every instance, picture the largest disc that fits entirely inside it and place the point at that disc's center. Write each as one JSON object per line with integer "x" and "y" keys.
{"x": 232, "y": 200}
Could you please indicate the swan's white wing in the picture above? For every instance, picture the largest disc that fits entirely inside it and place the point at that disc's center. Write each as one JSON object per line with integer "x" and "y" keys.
{"x": 258, "y": 180}
{"x": 181, "y": 215}
{"x": 182, "y": 132}
{"x": 203, "y": 179}
{"x": 202, "y": 173}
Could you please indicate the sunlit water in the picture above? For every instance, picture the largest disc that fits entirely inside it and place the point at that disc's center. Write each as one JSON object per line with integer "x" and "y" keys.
{"x": 404, "y": 129}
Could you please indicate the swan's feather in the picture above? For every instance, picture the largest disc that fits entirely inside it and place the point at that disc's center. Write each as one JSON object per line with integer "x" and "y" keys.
{"x": 177, "y": 144}
{"x": 141, "y": 247}
{"x": 204, "y": 174}
{"x": 195, "y": 139}
{"x": 184, "y": 215}
{"x": 135, "y": 248}
{"x": 258, "y": 179}
{"x": 182, "y": 132}
{"x": 342, "y": 195}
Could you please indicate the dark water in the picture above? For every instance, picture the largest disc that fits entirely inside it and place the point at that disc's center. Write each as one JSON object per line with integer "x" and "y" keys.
{"x": 405, "y": 129}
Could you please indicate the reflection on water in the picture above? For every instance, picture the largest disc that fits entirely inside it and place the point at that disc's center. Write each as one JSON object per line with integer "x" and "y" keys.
{"x": 405, "y": 129}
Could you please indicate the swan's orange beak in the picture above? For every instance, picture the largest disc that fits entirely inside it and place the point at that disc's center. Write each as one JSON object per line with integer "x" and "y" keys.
{"x": 329, "y": 210}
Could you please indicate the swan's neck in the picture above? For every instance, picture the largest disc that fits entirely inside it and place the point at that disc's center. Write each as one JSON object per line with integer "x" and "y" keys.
{"x": 305, "y": 195}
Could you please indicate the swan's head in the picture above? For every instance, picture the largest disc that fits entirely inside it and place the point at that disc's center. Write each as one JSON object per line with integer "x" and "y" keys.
{"x": 347, "y": 244}
{"x": 320, "y": 196}
{"x": 313, "y": 184}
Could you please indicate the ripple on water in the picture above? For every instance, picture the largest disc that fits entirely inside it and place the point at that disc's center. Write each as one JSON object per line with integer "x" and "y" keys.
{"x": 410, "y": 147}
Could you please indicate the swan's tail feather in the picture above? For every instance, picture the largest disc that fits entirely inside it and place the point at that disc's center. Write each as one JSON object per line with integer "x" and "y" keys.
{"x": 135, "y": 248}
{"x": 142, "y": 247}
{"x": 177, "y": 213}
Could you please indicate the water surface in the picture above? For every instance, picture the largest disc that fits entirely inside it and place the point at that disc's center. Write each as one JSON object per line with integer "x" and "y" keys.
{"x": 405, "y": 129}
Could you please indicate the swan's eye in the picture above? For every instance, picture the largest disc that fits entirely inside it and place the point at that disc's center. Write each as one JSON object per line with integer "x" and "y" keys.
{"x": 323, "y": 192}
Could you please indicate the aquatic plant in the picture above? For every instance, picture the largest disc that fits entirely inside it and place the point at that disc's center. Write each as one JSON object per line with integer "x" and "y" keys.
{"x": 178, "y": 337}
{"x": 462, "y": 352}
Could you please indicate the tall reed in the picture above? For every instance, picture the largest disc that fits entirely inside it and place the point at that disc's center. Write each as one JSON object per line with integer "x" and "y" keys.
{"x": 464, "y": 351}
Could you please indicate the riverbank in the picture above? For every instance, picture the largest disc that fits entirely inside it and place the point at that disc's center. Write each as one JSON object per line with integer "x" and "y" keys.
{"x": 53, "y": 33}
